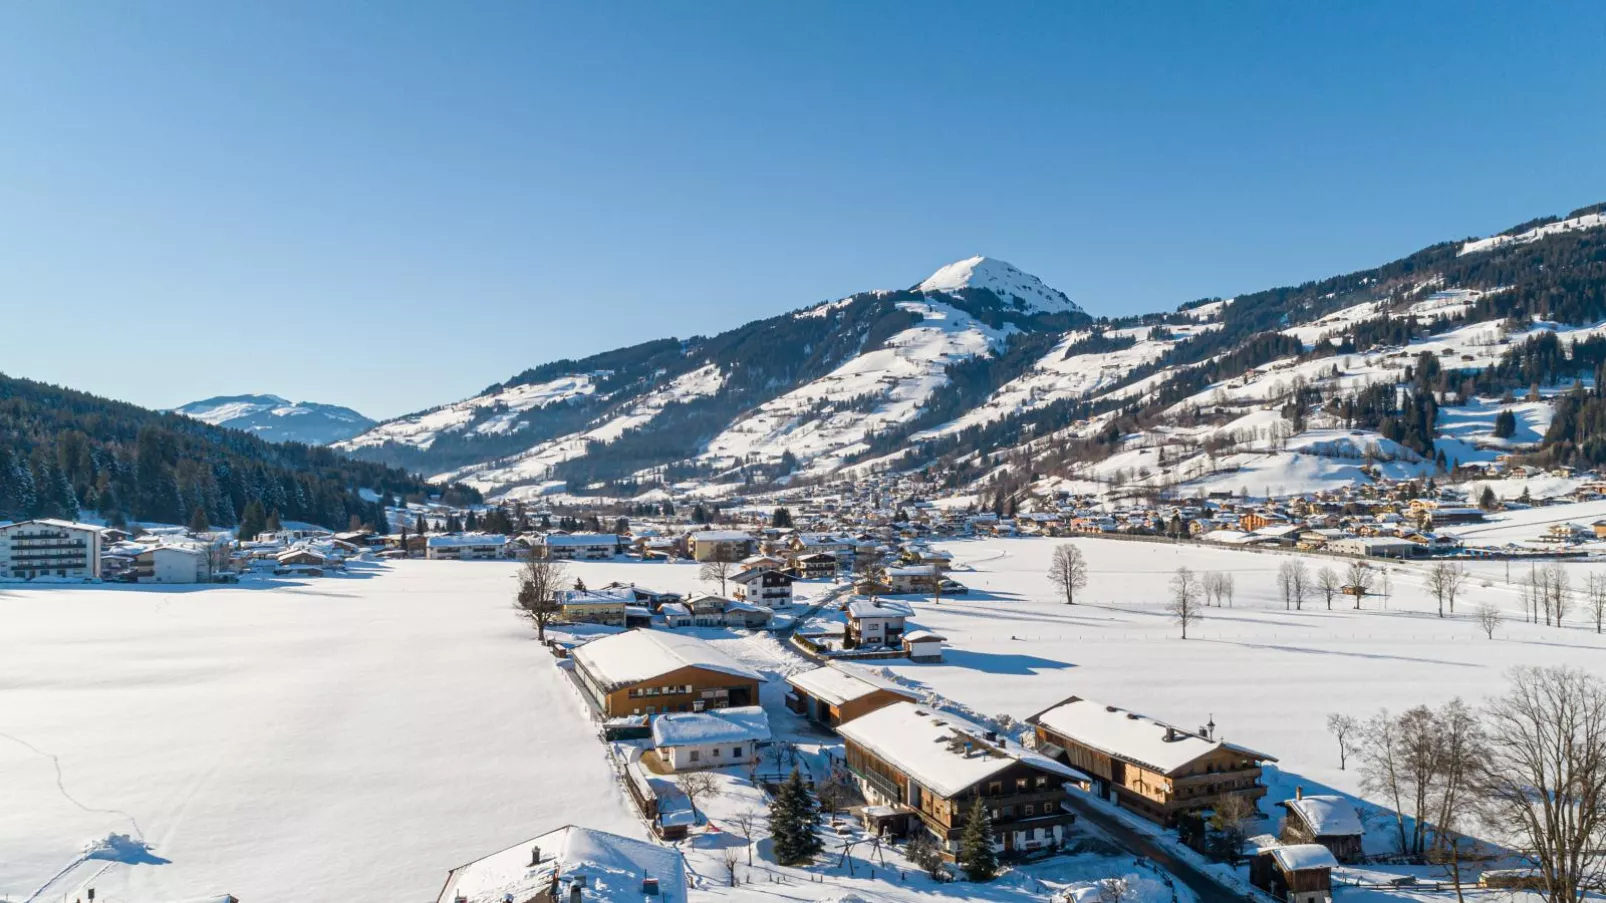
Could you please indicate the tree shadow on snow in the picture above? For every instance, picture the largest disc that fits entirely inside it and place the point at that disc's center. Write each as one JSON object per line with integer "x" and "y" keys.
{"x": 1001, "y": 663}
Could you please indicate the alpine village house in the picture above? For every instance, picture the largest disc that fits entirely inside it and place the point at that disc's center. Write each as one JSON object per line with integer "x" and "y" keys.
{"x": 1149, "y": 767}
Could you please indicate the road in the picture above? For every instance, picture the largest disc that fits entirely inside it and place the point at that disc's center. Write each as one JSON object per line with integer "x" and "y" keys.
{"x": 1203, "y": 885}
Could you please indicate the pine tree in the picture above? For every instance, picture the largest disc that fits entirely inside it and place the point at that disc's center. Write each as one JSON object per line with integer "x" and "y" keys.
{"x": 252, "y": 521}
{"x": 274, "y": 525}
{"x": 420, "y": 527}
{"x": 794, "y": 820}
{"x": 976, "y": 854}
{"x": 198, "y": 522}
{"x": 781, "y": 518}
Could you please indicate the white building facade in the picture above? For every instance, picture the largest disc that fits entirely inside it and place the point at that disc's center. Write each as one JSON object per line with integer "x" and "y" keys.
{"x": 49, "y": 548}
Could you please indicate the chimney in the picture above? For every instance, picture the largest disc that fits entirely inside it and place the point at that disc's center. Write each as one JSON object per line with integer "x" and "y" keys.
{"x": 1170, "y": 734}
{"x": 535, "y": 855}
{"x": 649, "y": 887}
{"x": 992, "y": 736}
{"x": 1299, "y": 792}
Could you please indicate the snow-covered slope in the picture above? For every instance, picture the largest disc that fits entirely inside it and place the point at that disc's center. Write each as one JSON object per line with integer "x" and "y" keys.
{"x": 1586, "y": 221}
{"x": 489, "y": 414}
{"x": 277, "y": 420}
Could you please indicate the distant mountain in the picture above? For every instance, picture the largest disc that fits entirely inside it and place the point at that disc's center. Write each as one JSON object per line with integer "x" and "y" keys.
{"x": 277, "y": 420}
{"x": 805, "y": 391}
{"x": 65, "y": 453}
{"x": 997, "y": 385}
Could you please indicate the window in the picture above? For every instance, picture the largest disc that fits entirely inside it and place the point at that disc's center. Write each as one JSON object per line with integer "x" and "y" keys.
{"x": 995, "y": 787}
{"x": 736, "y": 751}
{"x": 1042, "y": 781}
{"x": 1020, "y": 783}
{"x": 1028, "y": 810}
{"x": 1009, "y": 812}
{"x": 695, "y": 755}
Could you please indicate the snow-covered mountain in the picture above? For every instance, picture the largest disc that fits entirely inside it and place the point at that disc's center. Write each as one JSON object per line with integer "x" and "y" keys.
{"x": 997, "y": 379}
{"x": 277, "y": 420}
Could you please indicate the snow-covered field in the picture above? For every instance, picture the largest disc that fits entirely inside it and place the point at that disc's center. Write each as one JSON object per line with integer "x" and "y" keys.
{"x": 344, "y": 739}
{"x": 1267, "y": 676}
{"x": 353, "y": 738}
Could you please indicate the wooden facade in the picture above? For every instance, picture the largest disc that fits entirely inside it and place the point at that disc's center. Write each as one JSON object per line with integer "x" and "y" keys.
{"x": 688, "y": 689}
{"x": 1026, "y": 803}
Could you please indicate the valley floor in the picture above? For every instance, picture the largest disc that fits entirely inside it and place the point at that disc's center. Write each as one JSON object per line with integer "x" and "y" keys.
{"x": 354, "y": 738}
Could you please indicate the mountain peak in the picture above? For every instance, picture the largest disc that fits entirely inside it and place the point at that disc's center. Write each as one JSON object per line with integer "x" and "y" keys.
{"x": 277, "y": 419}
{"x": 1002, "y": 279}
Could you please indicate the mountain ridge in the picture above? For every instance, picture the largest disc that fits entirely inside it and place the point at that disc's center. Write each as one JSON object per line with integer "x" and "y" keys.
{"x": 277, "y": 419}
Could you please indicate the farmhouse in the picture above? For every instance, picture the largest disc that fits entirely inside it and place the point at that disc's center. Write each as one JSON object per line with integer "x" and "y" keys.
{"x": 49, "y": 548}
{"x": 714, "y": 739}
{"x": 571, "y": 863}
{"x": 840, "y": 692}
{"x": 1327, "y": 820}
{"x": 651, "y": 672}
{"x": 926, "y": 768}
{"x": 815, "y": 566}
{"x": 1148, "y": 766}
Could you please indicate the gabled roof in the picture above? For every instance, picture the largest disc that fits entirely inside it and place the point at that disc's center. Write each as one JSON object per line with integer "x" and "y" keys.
{"x": 638, "y": 655}
{"x": 1301, "y": 856}
{"x": 613, "y": 868}
{"x": 942, "y": 752}
{"x": 1328, "y": 815}
{"x": 1131, "y": 737}
{"x": 880, "y": 608}
{"x": 839, "y": 682}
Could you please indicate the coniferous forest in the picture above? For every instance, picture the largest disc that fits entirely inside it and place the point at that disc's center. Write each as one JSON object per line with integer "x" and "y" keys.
{"x": 67, "y": 454}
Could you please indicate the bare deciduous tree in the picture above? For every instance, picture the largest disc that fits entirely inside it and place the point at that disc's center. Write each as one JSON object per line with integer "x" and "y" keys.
{"x": 1115, "y": 890}
{"x": 1227, "y": 588}
{"x": 1068, "y": 571}
{"x": 1343, "y": 728}
{"x": 1595, "y": 597}
{"x": 1359, "y": 578}
{"x": 1544, "y": 778}
{"x": 538, "y": 581}
{"x": 1184, "y": 606}
{"x": 1328, "y": 581}
{"x": 748, "y": 822}
{"x": 1293, "y": 578}
{"x": 1444, "y": 581}
{"x": 698, "y": 785}
{"x": 1489, "y": 618}
{"x": 720, "y": 568}
{"x": 731, "y": 857}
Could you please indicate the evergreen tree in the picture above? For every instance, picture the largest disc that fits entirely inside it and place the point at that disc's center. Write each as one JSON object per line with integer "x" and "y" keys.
{"x": 1505, "y": 425}
{"x": 274, "y": 525}
{"x": 976, "y": 855}
{"x": 669, "y": 509}
{"x": 252, "y": 521}
{"x": 198, "y": 521}
{"x": 472, "y": 522}
{"x": 781, "y": 518}
{"x": 420, "y": 526}
{"x": 699, "y": 514}
{"x": 794, "y": 820}
{"x": 1487, "y": 500}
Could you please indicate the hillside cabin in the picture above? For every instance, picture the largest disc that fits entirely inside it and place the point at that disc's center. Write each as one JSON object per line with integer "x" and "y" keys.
{"x": 649, "y": 672}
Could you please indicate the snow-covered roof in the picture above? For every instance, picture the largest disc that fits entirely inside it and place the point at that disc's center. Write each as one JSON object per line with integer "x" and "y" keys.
{"x": 55, "y": 522}
{"x": 839, "y": 682}
{"x": 916, "y": 740}
{"x": 449, "y": 540}
{"x": 580, "y": 539}
{"x": 613, "y": 867}
{"x": 1299, "y": 856}
{"x": 638, "y": 655}
{"x": 923, "y": 636}
{"x": 733, "y": 725}
{"x": 721, "y": 536}
{"x": 880, "y": 608}
{"x": 1328, "y": 815}
{"x": 608, "y": 595}
{"x": 1129, "y": 736}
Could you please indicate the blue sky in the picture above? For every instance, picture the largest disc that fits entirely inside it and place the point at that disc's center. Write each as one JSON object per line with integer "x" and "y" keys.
{"x": 392, "y": 205}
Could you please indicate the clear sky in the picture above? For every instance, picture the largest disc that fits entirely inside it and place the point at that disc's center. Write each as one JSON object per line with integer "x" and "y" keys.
{"x": 394, "y": 204}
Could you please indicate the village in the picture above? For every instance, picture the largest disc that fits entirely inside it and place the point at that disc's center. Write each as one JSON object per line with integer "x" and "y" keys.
{"x": 853, "y": 595}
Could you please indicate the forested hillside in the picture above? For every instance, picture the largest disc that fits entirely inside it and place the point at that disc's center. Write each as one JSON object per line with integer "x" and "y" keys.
{"x": 64, "y": 453}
